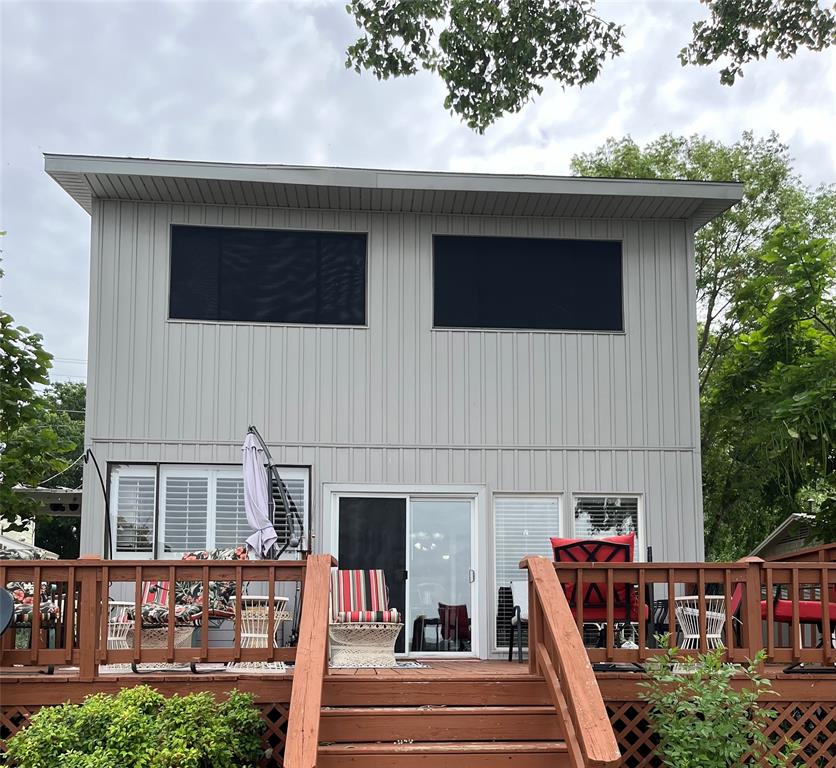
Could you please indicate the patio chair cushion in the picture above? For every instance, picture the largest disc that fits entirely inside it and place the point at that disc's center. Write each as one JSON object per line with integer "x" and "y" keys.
{"x": 607, "y": 549}
{"x": 368, "y": 617}
{"x": 809, "y": 611}
{"x": 358, "y": 591}
{"x": 188, "y": 595}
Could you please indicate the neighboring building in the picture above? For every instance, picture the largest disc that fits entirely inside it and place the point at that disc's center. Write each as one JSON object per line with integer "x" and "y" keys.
{"x": 795, "y": 533}
{"x": 450, "y": 367}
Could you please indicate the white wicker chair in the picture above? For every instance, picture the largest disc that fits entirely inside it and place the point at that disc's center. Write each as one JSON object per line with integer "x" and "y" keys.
{"x": 363, "y": 628}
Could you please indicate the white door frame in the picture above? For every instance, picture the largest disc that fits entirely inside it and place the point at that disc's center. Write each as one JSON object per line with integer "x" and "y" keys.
{"x": 479, "y": 541}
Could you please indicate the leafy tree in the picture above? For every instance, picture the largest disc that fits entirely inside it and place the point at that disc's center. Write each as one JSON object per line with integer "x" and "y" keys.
{"x": 772, "y": 251}
{"x": 64, "y": 410}
{"x": 494, "y": 55}
{"x": 773, "y": 403}
{"x": 31, "y": 449}
{"x": 742, "y": 30}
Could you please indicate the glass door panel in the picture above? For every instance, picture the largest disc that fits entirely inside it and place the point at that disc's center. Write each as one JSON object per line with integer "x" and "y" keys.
{"x": 441, "y": 578}
{"x": 372, "y": 534}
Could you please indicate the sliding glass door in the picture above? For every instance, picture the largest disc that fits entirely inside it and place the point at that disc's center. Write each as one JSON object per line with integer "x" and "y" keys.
{"x": 441, "y": 575}
{"x": 425, "y": 545}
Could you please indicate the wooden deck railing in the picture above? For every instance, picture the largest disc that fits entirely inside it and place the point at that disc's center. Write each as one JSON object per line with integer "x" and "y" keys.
{"x": 752, "y": 617}
{"x": 311, "y": 665}
{"x": 557, "y": 653}
{"x": 75, "y": 632}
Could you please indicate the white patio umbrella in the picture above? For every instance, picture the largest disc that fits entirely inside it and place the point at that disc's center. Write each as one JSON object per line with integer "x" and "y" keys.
{"x": 256, "y": 499}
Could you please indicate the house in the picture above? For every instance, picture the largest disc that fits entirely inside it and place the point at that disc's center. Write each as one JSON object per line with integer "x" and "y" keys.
{"x": 793, "y": 534}
{"x": 449, "y": 368}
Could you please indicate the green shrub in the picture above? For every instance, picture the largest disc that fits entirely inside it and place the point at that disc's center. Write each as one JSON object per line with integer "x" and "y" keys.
{"x": 140, "y": 728}
{"x": 704, "y": 722}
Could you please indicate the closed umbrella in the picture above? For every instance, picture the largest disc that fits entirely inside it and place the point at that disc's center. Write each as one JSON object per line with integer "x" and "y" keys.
{"x": 256, "y": 499}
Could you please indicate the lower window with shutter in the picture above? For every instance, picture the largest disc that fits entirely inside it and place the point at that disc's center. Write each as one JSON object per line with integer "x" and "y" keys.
{"x": 597, "y": 516}
{"x": 522, "y": 526}
{"x": 133, "y": 502}
{"x": 202, "y": 507}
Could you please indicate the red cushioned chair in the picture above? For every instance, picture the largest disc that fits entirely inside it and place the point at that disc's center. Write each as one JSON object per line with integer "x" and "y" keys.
{"x": 809, "y": 612}
{"x": 611, "y": 549}
{"x": 455, "y": 626}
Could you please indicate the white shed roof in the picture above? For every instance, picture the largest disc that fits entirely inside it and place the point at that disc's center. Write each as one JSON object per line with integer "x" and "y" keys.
{"x": 85, "y": 177}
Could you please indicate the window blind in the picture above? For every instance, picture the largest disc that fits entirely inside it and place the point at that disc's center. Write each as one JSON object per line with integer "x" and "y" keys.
{"x": 296, "y": 487}
{"x": 186, "y": 508}
{"x": 135, "y": 499}
{"x": 231, "y": 525}
{"x": 598, "y": 516}
{"x": 522, "y": 526}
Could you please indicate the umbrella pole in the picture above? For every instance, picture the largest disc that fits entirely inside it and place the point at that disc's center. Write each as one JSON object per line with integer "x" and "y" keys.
{"x": 292, "y": 520}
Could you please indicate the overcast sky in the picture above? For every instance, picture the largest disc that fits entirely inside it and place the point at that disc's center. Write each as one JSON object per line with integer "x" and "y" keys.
{"x": 265, "y": 82}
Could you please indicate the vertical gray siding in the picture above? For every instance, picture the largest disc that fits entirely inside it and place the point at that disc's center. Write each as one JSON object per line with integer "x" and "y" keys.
{"x": 398, "y": 402}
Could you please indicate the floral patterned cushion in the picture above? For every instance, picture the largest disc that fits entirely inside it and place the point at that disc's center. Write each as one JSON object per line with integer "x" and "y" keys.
{"x": 23, "y": 592}
{"x": 188, "y": 595}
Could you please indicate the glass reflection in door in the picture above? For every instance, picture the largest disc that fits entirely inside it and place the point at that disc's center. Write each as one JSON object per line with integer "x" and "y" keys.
{"x": 440, "y": 577}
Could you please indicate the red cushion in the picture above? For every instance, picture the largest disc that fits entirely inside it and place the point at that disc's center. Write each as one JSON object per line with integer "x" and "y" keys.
{"x": 368, "y": 617}
{"x": 809, "y": 611}
{"x": 607, "y": 549}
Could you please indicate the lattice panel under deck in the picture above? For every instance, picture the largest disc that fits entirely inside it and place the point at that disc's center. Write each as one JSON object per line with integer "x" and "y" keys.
{"x": 12, "y": 719}
{"x": 811, "y": 723}
{"x": 275, "y": 735}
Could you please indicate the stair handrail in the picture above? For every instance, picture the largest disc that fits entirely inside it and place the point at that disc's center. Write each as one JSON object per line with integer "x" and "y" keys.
{"x": 556, "y": 651}
{"x": 302, "y": 740}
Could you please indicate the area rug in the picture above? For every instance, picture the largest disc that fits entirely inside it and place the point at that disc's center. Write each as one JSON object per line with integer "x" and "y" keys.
{"x": 406, "y": 664}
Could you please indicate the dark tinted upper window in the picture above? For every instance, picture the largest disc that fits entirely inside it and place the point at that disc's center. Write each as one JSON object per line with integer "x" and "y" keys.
{"x": 517, "y": 282}
{"x": 268, "y": 276}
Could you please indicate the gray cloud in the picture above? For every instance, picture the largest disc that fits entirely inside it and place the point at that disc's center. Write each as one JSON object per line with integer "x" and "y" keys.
{"x": 266, "y": 82}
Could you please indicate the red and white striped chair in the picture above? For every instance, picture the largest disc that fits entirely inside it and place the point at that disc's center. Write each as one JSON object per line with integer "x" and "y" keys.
{"x": 363, "y": 627}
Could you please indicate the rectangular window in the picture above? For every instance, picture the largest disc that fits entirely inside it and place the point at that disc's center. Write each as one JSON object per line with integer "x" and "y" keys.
{"x": 133, "y": 502}
{"x": 527, "y": 283}
{"x": 522, "y": 526}
{"x": 599, "y": 516}
{"x": 202, "y": 508}
{"x": 268, "y": 276}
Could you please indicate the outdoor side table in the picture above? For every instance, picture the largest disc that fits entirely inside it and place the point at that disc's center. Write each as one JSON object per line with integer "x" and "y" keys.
{"x": 254, "y": 612}
{"x": 687, "y": 612}
{"x": 254, "y": 617}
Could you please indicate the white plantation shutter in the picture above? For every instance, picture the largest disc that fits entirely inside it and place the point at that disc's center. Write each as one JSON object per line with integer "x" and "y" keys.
{"x": 522, "y": 526}
{"x": 599, "y": 516}
{"x": 231, "y": 526}
{"x": 296, "y": 481}
{"x": 202, "y": 508}
{"x": 133, "y": 501}
{"x": 185, "y": 512}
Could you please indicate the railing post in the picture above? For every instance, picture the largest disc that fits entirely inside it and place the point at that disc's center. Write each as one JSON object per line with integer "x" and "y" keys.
{"x": 752, "y": 606}
{"x": 88, "y": 626}
{"x": 533, "y": 624}
{"x": 311, "y": 665}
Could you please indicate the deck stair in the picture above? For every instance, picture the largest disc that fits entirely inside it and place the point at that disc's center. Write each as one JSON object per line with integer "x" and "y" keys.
{"x": 431, "y": 718}
{"x": 549, "y": 714}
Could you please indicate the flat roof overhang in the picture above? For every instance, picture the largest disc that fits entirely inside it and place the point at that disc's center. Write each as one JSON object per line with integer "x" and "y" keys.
{"x": 86, "y": 177}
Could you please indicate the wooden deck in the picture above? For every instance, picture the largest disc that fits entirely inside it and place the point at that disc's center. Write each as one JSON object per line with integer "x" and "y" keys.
{"x": 450, "y": 712}
{"x": 806, "y": 703}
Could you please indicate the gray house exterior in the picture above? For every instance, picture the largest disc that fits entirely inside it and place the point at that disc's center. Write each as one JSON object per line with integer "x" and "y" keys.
{"x": 492, "y": 438}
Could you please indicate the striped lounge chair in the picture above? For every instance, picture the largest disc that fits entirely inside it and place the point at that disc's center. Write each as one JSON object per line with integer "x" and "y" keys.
{"x": 363, "y": 627}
